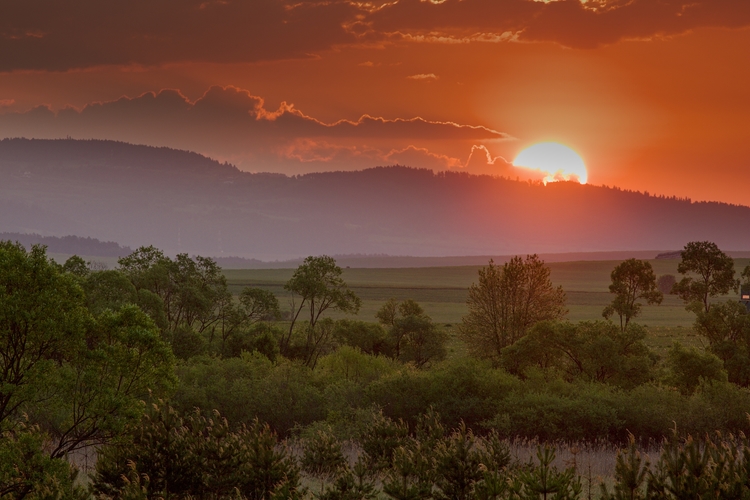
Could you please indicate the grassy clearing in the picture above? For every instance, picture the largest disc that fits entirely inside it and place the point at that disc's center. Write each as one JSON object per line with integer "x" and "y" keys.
{"x": 442, "y": 291}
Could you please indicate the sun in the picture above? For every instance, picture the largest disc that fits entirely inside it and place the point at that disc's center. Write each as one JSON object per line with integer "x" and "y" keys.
{"x": 558, "y": 161}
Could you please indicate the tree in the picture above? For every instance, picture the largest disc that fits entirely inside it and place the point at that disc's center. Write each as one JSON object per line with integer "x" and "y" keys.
{"x": 78, "y": 377}
{"x": 190, "y": 294}
{"x": 688, "y": 366}
{"x": 42, "y": 324}
{"x": 506, "y": 302}
{"x": 259, "y": 305}
{"x": 596, "y": 351}
{"x": 726, "y": 326}
{"x": 412, "y": 336}
{"x": 121, "y": 362}
{"x": 714, "y": 270}
{"x": 632, "y": 280}
{"x": 317, "y": 286}
{"x": 420, "y": 341}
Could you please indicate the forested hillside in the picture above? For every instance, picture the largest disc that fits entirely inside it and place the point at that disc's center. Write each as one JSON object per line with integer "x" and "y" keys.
{"x": 185, "y": 202}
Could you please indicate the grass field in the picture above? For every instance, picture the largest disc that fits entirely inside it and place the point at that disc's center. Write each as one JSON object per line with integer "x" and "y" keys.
{"x": 442, "y": 292}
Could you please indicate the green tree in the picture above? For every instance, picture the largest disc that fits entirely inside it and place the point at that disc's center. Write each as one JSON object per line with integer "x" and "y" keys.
{"x": 370, "y": 338}
{"x": 109, "y": 289}
{"x": 507, "y": 301}
{"x": 76, "y": 266}
{"x": 631, "y": 471}
{"x": 688, "y": 366}
{"x": 412, "y": 336}
{"x": 726, "y": 326}
{"x": 317, "y": 286}
{"x": 259, "y": 305}
{"x": 191, "y": 295}
{"x": 596, "y": 351}
{"x": 121, "y": 362}
{"x": 420, "y": 342}
{"x": 713, "y": 270}
{"x": 543, "y": 480}
{"x": 632, "y": 279}
{"x": 42, "y": 324}
{"x": 78, "y": 377}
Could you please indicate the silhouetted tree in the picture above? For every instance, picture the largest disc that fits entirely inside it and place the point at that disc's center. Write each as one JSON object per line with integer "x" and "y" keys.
{"x": 714, "y": 270}
{"x": 632, "y": 280}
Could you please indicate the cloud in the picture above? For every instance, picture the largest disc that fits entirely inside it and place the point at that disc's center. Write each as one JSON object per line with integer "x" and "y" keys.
{"x": 6, "y": 103}
{"x": 481, "y": 161}
{"x": 62, "y": 35}
{"x": 424, "y": 77}
{"x": 572, "y": 23}
{"x": 421, "y": 157}
{"x": 70, "y": 34}
{"x": 327, "y": 154}
{"x": 233, "y": 124}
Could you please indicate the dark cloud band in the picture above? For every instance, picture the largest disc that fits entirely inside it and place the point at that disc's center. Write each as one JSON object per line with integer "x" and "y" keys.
{"x": 65, "y": 34}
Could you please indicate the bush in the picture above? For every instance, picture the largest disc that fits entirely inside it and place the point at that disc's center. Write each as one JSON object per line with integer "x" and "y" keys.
{"x": 283, "y": 394}
{"x": 688, "y": 367}
{"x": 197, "y": 456}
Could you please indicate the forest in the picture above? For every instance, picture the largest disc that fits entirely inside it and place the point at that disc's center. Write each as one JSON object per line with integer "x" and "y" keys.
{"x": 186, "y": 387}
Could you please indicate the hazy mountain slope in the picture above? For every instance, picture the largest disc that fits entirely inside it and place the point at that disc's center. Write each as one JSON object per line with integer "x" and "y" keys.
{"x": 182, "y": 201}
{"x": 69, "y": 244}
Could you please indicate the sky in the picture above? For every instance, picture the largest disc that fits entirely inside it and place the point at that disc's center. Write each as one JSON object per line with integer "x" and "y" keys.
{"x": 652, "y": 94}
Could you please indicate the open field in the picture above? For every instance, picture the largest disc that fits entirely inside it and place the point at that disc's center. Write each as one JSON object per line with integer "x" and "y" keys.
{"x": 442, "y": 291}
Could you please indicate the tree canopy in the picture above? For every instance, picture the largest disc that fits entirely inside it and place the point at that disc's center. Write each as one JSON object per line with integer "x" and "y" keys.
{"x": 632, "y": 279}
{"x": 507, "y": 301}
{"x": 713, "y": 272}
{"x": 317, "y": 285}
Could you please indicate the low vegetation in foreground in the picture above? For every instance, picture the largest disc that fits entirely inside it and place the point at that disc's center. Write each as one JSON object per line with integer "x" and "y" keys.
{"x": 186, "y": 389}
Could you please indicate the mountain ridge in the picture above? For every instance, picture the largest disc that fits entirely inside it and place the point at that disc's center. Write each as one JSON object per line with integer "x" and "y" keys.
{"x": 184, "y": 202}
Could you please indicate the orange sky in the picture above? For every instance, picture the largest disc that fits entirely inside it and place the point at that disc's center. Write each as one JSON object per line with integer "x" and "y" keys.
{"x": 652, "y": 94}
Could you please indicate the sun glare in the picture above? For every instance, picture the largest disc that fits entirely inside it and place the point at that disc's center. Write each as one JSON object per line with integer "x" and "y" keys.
{"x": 558, "y": 162}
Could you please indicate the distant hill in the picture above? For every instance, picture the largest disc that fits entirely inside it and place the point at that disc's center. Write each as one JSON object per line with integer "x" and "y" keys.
{"x": 184, "y": 202}
{"x": 69, "y": 244}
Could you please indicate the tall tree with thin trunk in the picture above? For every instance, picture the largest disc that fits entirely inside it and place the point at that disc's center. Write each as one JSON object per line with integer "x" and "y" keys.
{"x": 317, "y": 286}
{"x": 632, "y": 279}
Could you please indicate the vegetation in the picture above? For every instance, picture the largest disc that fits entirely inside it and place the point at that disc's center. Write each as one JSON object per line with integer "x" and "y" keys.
{"x": 632, "y": 280}
{"x": 189, "y": 385}
{"x": 713, "y": 272}
{"x": 506, "y": 302}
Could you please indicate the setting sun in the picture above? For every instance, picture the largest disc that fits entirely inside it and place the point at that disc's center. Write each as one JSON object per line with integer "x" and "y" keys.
{"x": 558, "y": 162}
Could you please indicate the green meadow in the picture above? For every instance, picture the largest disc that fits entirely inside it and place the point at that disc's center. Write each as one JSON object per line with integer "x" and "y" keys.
{"x": 442, "y": 291}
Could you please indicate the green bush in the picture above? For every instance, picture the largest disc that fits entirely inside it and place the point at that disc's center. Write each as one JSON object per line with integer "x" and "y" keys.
{"x": 688, "y": 367}
{"x": 283, "y": 394}
{"x": 197, "y": 456}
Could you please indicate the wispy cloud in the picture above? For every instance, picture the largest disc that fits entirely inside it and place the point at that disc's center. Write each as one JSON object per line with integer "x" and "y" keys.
{"x": 423, "y": 77}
